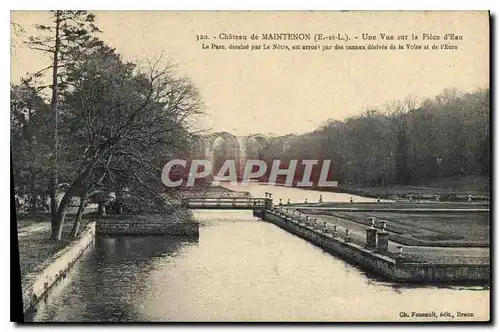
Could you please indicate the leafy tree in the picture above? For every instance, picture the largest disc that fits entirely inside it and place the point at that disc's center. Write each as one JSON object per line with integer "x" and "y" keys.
{"x": 110, "y": 125}
{"x": 29, "y": 145}
{"x": 124, "y": 123}
{"x": 68, "y": 30}
{"x": 409, "y": 142}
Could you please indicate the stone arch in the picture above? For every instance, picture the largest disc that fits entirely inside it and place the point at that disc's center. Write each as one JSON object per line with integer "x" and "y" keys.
{"x": 262, "y": 139}
{"x": 255, "y": 145}
{"x": 220, "y": 147}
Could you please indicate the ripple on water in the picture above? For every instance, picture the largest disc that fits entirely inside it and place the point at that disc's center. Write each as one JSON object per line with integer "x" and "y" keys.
{"x": 240, "y": 269}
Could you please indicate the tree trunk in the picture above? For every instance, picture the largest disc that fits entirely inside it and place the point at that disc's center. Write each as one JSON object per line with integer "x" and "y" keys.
{"x": 53, "y": 209}
{"x": 78, "y": 218}
{"x": 61, "y": 217}
{"x": 101, "y": 209}
{"x": 75, "y": 187}
{"x": 55, "y": 222}
{"x": 118, "y": 201}
{"x": 34, "y": 197}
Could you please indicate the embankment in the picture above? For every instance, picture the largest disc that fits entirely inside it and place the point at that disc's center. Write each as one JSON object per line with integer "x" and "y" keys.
{"x": 392, "y": 269}
{"x": 36, "y": 284}
{"x": 412, "y": 193}
{"x": 178, "y": 223}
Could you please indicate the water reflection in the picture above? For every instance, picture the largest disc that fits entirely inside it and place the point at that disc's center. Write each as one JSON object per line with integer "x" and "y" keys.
{"x": 240, "y": 269}
{"x": 109, "y": 281}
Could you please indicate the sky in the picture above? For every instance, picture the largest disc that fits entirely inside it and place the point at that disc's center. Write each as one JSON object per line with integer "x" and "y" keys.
{"x": 277, "y": 92}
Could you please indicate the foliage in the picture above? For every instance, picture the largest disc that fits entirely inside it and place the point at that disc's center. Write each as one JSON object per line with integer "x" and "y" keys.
{"x": 109, "y": 126}
{"x": 30, "y": 147}
{"x": 405, "y": 143}
{"x": 126, "y": 122}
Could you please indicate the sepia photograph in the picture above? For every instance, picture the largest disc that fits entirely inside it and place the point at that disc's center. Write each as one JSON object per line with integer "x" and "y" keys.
{"x": 250, "y": 166}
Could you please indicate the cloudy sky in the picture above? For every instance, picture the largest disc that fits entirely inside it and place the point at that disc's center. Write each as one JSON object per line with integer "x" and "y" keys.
{"x": 290, "y": 92}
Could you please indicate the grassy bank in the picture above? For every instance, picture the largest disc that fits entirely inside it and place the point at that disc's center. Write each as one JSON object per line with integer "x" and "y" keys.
{"x": 451, "y": 189}
{"x": 36, "y": 246}
{"x": 452, "y": 229}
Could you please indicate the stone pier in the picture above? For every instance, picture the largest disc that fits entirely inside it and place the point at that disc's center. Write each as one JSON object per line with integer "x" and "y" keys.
{"x": 382, "y": 242}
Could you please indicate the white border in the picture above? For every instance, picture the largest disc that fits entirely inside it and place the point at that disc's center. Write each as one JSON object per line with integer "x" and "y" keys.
{"x": 195, "y": 5}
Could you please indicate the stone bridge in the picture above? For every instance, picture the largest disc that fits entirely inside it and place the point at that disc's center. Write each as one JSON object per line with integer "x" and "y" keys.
{"x": 235, "y": 203}
{"x": 222, "y": 146}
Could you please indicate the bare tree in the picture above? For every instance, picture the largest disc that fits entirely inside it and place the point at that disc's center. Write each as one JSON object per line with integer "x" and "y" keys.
{"x": 124, "y": 124}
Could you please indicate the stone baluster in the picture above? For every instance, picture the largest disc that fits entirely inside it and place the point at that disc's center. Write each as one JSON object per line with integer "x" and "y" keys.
{"x": 400, "y": 253}
{"x": 347, "y": 235}
{"x": 383, "y": 239}
{"x": 384, "y": 225}
{"x": 371, "y": 236}
{"x": 399, "y": 257}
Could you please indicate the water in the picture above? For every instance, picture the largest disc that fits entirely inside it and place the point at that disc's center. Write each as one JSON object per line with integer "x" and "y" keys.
{"x": 240, "y": 269}
{"x": 295, "y": 195}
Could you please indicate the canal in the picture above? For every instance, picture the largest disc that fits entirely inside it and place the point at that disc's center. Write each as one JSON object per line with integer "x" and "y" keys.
{"x": 240, "y": 269}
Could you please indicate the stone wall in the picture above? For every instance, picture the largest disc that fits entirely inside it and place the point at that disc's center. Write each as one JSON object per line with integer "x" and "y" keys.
{"x": 424, "y": 272}
{"x": 383, "y": 265}
{"x": 150, "y": 228}
{"x": 178, "y": 223}
{"x": 36, "y": 284}
{"x": 351, "y": 251}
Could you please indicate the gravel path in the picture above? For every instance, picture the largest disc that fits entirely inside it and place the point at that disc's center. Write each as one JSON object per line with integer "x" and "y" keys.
{"x": 28, "y": 230}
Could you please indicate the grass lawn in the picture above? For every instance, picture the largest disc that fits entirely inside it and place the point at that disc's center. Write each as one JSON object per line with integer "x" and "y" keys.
{"x": 461, "y": 186}
{"x": 36, "y": 247}
{"x": 399, "y": 205}
{"x": 454, "y": 229}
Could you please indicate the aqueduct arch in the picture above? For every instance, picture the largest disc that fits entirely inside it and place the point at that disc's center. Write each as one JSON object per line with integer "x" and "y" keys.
{"x": 255, "y": 146}
{"x": 222, "y": 146}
